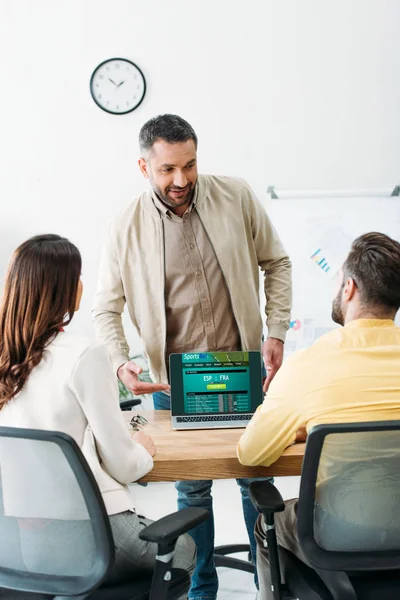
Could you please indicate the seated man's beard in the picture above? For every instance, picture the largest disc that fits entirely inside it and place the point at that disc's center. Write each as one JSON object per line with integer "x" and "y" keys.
{"x": 337, "y": 312}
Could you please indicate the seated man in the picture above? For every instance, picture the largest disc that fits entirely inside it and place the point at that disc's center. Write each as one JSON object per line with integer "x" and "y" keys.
{"x": 350, "y": 374}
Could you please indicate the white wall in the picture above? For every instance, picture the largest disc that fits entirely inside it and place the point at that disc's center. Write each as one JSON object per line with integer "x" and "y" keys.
{"x": 292, "y": 93}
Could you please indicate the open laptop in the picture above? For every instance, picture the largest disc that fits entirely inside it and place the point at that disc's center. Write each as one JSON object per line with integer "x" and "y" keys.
{"x": 214, "y": 389}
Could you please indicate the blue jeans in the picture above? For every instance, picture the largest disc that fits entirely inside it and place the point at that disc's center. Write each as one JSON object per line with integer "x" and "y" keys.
{"x": 198, "y": 493}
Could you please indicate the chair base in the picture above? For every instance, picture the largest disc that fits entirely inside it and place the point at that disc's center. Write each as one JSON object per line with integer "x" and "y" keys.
{"x": 222, "y": 560}
{"x": 140, "y": 590}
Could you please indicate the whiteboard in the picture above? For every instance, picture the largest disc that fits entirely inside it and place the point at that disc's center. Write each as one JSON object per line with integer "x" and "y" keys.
{"x": 317, "y": 233}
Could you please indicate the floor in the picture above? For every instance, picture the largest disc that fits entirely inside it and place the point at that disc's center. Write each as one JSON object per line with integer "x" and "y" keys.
{"x": 229, "y": 524}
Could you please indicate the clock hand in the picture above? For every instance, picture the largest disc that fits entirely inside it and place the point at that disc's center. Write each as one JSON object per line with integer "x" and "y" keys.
{"x": 109, "y": 79}
{"x": 120, "y": 84}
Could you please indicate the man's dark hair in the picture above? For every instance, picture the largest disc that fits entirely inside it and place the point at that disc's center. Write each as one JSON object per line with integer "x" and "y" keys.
{"x": 169, "y": 128}
{"x": 374, "y": 265}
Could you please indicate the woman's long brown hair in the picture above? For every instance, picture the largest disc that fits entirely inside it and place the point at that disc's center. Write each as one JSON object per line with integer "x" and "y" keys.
{"x": 38, "y": 300}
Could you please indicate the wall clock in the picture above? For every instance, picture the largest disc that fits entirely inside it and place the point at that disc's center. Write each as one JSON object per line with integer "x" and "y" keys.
{"x": 117, "y": 86}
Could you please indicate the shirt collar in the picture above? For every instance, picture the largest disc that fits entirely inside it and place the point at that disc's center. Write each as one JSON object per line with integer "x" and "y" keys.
{"x": 367, "y": 323}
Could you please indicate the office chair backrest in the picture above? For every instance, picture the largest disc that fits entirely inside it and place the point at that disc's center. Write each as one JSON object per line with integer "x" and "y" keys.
{"x": 349, "y": 503}
{"x": 54, "y": 530}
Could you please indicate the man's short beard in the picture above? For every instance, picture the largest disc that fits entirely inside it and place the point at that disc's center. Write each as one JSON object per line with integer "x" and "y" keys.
{"x": 337, "y": 311}
{"x": 166, "y": 199}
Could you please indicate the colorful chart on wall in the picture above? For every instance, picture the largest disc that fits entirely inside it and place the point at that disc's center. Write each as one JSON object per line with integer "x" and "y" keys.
{"x": 317, "y": 233}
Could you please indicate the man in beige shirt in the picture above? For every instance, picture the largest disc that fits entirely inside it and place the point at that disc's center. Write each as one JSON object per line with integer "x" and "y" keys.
{"x": 185, "y": 258}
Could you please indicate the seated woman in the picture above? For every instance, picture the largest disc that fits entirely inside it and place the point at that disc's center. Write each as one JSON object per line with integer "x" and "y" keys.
{"x": 53, "y": 380}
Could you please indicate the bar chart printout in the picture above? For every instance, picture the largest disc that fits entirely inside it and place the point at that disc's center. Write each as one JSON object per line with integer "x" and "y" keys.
{"x": 331, "y": 248}
{"x": 320, "y": 260}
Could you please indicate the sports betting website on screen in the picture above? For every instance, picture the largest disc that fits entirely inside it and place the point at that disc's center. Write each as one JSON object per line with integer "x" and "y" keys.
{"x": 215, "y": 382}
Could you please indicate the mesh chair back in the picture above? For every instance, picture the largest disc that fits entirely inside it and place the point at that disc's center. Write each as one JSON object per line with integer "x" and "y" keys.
{"x": 54, "y": 529}
{"x": 349, "y": 505}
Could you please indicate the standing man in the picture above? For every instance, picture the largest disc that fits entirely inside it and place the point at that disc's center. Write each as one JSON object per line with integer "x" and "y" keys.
{"x": 185, "y": 257}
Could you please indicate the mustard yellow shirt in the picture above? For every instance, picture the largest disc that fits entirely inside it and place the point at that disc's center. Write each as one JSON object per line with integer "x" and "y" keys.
{"x": 350, "y": 374}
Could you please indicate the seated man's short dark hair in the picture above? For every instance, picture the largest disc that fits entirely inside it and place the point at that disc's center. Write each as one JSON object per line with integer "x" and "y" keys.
{"x": 374, "y": 265}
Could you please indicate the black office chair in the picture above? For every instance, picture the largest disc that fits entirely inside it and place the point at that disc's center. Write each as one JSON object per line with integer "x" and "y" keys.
{"x": 129, "y": 404}
{"x": 55, "y": 535}
{"x": 348, "y": 516}
{"x": 222, "y": 557}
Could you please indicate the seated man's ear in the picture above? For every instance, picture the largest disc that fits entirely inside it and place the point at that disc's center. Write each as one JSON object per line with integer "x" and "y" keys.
{"x": 350, "y": 288}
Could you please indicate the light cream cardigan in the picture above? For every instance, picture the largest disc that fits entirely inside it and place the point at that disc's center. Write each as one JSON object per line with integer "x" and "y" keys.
{"x": 132, "y": 270}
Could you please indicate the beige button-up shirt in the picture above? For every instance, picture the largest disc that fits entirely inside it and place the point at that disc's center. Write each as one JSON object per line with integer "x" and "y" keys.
{"x": 197, "y": 302}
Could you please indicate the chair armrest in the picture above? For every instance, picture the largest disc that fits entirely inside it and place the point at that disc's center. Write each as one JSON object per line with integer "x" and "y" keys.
{"x": 268, "y": 501}
{"x": 169, "y": 528}
{"x": 165, "y": 533}
{"x": 265, "y": 497}
{"x": 127, "y": 404}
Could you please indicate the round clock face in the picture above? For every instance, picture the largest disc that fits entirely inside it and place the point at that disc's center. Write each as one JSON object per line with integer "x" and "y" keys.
{"x": 117, "y": 86}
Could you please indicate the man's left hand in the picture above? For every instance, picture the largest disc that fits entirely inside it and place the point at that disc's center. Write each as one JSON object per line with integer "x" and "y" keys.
{"x": 301, "y": 435}
{"x": 273, "y": 356}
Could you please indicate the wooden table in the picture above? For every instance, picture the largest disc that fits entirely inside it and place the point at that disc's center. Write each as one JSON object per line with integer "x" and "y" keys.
{"x": 205, "y": 453}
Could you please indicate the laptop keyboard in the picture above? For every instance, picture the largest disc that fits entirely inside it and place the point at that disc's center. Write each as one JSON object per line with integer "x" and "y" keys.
{"x": 207, "y": 418}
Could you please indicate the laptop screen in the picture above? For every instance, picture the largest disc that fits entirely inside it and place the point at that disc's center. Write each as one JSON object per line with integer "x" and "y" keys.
{"x": 215, "y": 383}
